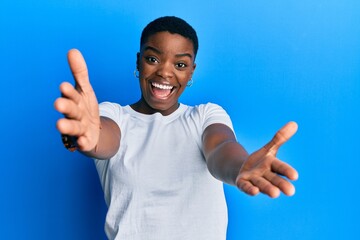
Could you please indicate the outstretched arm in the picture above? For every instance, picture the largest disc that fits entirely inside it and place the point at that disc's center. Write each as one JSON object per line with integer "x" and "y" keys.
{"x": 96, "y": 136}
{"x": 261, "y": 171}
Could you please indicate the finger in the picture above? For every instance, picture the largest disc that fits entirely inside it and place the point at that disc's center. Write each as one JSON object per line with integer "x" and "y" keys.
{"x": 284, "y": 186}
{"x": 247, "y": 187}
{"x": 265, "y": 186}
{"x": 79, "y": 70}
{"x": 68, "y": 108}
{"x": 283, "y": 135}
{"x": 69, "y": 127}
{"x": 84, "y": 144}
{"x": 284, "y": 169}
{"x": 68, "y": 91}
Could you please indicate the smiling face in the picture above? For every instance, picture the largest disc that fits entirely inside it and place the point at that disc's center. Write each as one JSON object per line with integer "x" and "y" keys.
{"x": 165, "y": 64}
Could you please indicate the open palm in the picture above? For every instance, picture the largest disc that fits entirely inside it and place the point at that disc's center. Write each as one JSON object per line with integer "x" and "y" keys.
{"x": 263, "y": 172}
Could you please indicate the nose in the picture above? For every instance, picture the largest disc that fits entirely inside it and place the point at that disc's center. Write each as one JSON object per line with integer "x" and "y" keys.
{"x": 165, "y": 70}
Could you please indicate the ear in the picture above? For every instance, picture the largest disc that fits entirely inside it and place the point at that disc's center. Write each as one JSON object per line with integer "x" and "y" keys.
{"x": 137, "y": 60}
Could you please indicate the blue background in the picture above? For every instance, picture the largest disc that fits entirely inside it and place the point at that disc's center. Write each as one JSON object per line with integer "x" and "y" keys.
{"x": 265, "y": 62}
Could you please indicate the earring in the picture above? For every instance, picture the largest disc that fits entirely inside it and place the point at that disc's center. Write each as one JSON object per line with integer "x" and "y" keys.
{"x": 190, "y": 82}
{"x": 136, "y": 73}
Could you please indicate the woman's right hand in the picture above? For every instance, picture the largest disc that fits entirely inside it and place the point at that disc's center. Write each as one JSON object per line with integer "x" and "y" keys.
{"x": 79, "y": 106}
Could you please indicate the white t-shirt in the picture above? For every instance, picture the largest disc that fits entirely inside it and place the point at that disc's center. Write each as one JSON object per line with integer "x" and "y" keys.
{"x": 157, "y": 186}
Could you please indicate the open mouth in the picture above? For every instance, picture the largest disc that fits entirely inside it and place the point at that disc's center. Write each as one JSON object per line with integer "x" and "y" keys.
{"x": 161, "y": 90}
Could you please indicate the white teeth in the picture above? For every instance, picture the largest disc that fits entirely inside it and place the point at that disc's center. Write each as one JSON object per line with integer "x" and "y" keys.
{"x": 161, "y": 86}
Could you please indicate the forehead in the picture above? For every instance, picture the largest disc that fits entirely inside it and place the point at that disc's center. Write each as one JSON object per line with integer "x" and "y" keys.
{"x": 166, "y": 41}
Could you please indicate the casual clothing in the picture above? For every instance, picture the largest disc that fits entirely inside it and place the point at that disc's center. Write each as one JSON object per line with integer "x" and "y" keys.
{"x": 157, "y": 186}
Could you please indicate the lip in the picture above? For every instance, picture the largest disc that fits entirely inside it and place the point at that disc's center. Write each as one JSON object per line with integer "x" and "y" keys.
{"x": 151, "y": 87}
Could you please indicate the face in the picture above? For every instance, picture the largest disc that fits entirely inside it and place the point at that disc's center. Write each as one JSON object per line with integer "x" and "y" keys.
{"x": 165, "y": 64}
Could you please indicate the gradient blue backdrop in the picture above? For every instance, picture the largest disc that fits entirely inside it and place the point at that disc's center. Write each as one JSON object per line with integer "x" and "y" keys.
{"x": 265, "y": 62}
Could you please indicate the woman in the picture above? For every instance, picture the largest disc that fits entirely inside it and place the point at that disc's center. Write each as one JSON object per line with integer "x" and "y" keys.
{"x": 159, "y": 161}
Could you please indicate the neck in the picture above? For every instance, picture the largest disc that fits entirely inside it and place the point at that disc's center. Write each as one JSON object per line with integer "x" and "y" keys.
{"x": 143, "y": 107}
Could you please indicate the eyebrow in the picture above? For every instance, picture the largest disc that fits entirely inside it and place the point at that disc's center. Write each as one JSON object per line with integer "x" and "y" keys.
{"x": 153, "y": 49}
{"x": 160, "y": 52}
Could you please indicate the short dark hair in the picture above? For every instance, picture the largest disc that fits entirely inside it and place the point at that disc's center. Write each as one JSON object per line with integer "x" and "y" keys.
{"x": 172, "y": 25}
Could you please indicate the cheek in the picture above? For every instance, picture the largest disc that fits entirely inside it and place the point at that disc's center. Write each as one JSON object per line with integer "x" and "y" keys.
{"x": 186, "y": 77}
{"x": 143, "y": 83}
{"x": 145, "y": 70}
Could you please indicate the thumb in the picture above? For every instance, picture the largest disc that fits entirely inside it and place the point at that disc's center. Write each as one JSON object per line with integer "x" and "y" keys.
{"x": 282, "y": 136}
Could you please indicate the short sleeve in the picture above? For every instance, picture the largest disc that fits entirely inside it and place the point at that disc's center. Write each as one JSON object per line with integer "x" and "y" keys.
{"x": 213, "y": 113}
{"x": 111, "y": 110}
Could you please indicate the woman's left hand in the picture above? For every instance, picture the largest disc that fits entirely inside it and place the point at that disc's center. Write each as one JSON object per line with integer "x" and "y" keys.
{"x": 263, "y": 172}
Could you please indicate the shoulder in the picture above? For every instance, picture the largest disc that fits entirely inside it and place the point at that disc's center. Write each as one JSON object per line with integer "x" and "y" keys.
{"x": 114, "y": 111}
{"x": 112, "y": 108}
{"x": 109, "y": 105}
{"x": 209, "y": 113}
{"x": 209, "y": 109}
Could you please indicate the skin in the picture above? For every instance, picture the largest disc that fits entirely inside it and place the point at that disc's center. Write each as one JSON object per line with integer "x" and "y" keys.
{"x": 168, "y": 59}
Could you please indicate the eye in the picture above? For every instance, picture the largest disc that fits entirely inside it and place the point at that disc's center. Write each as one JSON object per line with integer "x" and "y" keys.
{"x": 181, "y": 65}
{"x": 151, "y": 59}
